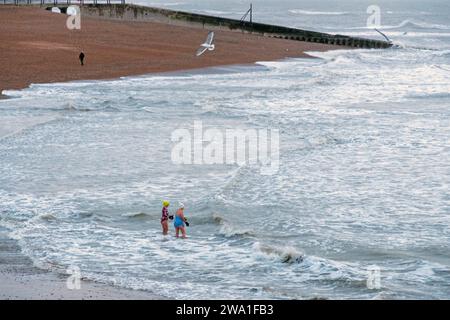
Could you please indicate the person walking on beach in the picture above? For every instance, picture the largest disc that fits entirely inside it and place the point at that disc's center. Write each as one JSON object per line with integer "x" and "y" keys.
{"x": 165, "y": 217}
{"x": 180, "y": 222}
{"x": 81, "y": 57}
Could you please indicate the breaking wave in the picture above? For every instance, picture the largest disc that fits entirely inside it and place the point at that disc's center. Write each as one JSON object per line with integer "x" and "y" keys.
{"x": 284, "y": 254}
{"x": 229, "y": 231}
{"x": 405, "y": 24}
{"x": 136, "y": 215}
{"x": 310, "y": 12}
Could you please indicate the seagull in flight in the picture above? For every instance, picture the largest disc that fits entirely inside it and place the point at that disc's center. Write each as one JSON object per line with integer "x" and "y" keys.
{"x": 208, "y": 45}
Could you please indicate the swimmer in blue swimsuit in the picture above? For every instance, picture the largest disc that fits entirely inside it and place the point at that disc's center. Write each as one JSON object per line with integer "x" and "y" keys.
{"x": 179, "y": 222}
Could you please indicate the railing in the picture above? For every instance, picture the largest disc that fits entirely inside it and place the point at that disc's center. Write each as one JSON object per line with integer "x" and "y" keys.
{"x": 60, "y": 2}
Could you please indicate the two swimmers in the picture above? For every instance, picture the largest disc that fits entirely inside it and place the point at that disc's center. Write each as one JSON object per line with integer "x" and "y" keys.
{"x": 180, "y": 222}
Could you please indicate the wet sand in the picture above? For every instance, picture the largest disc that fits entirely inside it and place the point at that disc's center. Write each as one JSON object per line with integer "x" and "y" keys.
{"x": 36, "y": 47}
{"x": 20, "y": 280}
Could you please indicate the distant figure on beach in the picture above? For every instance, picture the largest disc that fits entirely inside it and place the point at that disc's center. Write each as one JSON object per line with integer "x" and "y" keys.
{"x": 165, "y": 217}
{"x": 81, "y": 56}
{"x": 180, "y": 222}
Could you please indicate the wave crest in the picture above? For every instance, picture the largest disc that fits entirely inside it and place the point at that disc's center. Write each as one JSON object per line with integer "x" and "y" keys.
{"x": 47, "y": 217}
{"x": 136, "y": 215}
{"x": 325, "y": 13}
{"x": 407, "y": 23}
{"x": 230, "y": 231}
{"x": 289, "y": 255}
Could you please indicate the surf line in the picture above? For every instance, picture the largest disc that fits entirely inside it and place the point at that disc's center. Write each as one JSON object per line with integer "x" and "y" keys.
{"x": 186, "y": 310}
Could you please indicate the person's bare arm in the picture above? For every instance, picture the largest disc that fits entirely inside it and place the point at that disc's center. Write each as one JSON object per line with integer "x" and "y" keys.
{"x": 185, "y": 220}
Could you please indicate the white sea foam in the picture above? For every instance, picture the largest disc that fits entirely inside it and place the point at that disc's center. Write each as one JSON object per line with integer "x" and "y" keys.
{"x": 363, "y": 176}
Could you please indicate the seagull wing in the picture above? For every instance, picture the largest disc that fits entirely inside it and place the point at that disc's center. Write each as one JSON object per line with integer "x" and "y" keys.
{"x": 201, "y": 50}
{"x": 210, "y": 38}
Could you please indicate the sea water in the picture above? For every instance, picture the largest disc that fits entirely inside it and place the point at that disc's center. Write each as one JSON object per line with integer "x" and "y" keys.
{"x": 359, "y": 206}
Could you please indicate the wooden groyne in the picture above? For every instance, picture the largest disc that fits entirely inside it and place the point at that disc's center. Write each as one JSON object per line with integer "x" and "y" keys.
{"x": 121, "y": 11}
{"x": 141, "y": 13}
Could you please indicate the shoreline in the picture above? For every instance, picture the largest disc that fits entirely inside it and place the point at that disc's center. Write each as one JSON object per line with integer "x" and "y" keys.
{"x": 21, "y": 280}
{"x": 43, "y": 50}
{"x": 201, "y": 70}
